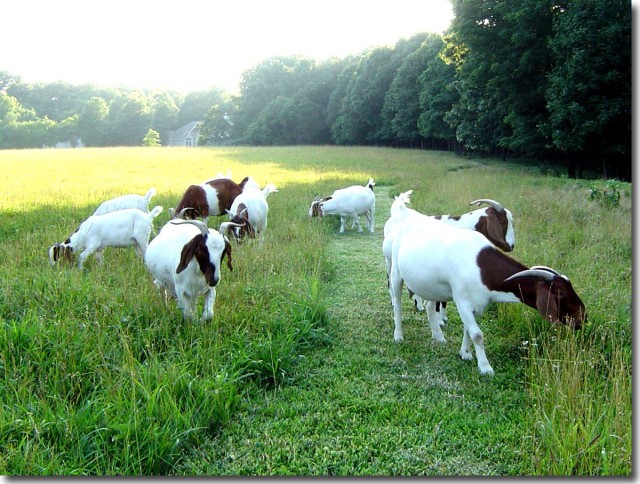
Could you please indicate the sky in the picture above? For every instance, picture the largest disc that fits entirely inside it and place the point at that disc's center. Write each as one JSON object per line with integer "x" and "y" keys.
{"x": 189, "y": 45}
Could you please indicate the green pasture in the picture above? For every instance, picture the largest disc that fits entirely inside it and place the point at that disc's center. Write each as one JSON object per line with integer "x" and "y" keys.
{"x": 297, "y": 373}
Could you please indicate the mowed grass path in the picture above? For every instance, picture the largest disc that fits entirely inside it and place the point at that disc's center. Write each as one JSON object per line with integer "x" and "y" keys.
{"x": 364, "y": 405}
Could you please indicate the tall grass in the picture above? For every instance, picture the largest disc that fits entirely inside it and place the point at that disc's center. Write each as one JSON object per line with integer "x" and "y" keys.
{"x": 581, "y": 397}
{"x": 101, "y": 376}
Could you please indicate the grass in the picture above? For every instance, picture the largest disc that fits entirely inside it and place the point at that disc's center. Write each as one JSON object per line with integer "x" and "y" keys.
{"x": 298, "y": 374}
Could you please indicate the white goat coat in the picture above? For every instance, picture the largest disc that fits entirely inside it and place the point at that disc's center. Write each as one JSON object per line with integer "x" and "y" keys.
{"x": 255, "y": 201}
{"x": 126, "y": 201}
{"x": 122, "y": 228}
{"x": 162, "y": 260}
{"x": 351, "y": 202}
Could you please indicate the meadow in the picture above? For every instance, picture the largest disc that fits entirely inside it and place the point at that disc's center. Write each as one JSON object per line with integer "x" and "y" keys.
{"x": 297, "y": 373}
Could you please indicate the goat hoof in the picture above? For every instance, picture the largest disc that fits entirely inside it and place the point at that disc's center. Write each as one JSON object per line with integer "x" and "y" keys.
{"x": 487, "y": 371}
{"x": 466, "y": 355}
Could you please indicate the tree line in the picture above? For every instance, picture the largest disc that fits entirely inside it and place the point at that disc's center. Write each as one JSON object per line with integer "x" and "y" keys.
{"x": 540, "y": 79}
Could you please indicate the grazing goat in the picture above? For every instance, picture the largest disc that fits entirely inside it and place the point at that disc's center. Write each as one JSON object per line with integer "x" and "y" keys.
{"x": 184, "y": 260}
{"x": 249, "y": 210}
{"x": 122, "y": 228}
{"x": 443, "y": 263}
{"x": 126, "y": 201}
{"x": 350, "y": 202}
{"x": 213, "y": 197}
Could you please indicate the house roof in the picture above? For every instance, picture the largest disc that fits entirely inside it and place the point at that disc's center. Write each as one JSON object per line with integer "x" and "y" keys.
{"x": 190, "y": 129}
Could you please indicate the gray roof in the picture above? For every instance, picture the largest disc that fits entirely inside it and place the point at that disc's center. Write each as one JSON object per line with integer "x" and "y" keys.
{"x": 190, "y": 129}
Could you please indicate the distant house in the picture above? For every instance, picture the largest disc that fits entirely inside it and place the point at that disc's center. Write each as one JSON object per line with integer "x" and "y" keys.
{"x": 187, "y": 135}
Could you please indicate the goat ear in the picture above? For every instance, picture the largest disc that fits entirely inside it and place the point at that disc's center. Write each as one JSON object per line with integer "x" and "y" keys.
{"x": 546, "y": 303}
{"x": 227, "y": 252}
{"x": 494, "y": 229}
{"x": 188, "y": 251}
{"x": 245, "y": 213}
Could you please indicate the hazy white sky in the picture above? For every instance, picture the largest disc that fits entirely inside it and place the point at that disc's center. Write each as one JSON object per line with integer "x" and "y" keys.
{"x": 194, "y": 44}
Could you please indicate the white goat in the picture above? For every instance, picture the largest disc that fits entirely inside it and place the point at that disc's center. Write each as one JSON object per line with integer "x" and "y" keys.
{"x": 184, "y": 260}
{"x": 249, "y": 211}
{"x": 350, "y": 202}
{"x": 126, "y": 201}
{"x": 122, "y": 228}
{"x": 443, "y": 263}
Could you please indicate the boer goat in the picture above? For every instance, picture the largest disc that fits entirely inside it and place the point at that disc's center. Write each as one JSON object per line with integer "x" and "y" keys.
{"x": 350, "y": 202}
{"x": 443, "y": 263}
{"x": 213, "y": 197}
{"x": 184, "y": 260}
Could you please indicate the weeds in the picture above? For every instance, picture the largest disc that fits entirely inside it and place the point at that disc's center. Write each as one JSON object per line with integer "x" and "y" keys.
{"x": 607, "y": 196}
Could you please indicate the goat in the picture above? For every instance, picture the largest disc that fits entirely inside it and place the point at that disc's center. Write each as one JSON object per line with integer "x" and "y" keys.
{"x": 184, "y": 260}
{"x": 350, "y": 202}
{"x": 213, "y": 197}
{"x": 122, "y": 228}
{"x": 126, "y": 201}
{"x": 249, "y": 210}
{"x": 443, "y": 263}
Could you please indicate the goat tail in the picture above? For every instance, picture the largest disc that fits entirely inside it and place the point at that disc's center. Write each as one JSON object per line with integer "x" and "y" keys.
{"x": 404, "y": 197}
{"x": 401, "y": 200}
{"x": 157, "y": 210}
{"x": 150, "y": 193}
{"x": 270, "y": 188}
{"x": 370, "y": 184}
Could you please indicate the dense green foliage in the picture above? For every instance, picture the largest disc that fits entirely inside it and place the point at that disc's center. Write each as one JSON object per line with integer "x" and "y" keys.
{"x": 297, "y": 373}
{"x": 535, "y": 78}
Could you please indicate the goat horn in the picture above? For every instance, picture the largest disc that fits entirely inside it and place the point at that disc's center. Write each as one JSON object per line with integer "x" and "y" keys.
{"x": 539, "y": 273}
{"x": 224, "y": 226}
{"x": 493, "y": 203}
{"x": 201, "y": 225}
{"x": 183, "y": 211}
{"x": 545, "y": 268}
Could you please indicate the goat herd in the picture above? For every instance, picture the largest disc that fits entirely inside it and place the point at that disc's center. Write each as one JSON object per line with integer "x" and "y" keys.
{"x": 439, "y": 258}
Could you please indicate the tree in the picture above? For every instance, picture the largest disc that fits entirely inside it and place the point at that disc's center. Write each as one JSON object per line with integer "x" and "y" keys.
{"x": 216, "y": 126}
{"x": 437, "y": 97}
{"x": 152, "y": 138}
{"x": 401, "y": 110}
{"x": 359, "y": 120}
{"x": 589, "y": 91}
{"x": 92, "y": 124}
{"x": 165, "y": 113}
{"x": 478, "y": 38}
{"x": 129, "y": 119}
{"x": 196, "y": 105}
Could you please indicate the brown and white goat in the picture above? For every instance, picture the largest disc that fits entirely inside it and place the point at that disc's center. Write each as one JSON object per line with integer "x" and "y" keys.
{"x": 213, "y": 197}
{"x": 443, "y": 263}
{"x": 184, "y": 260}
